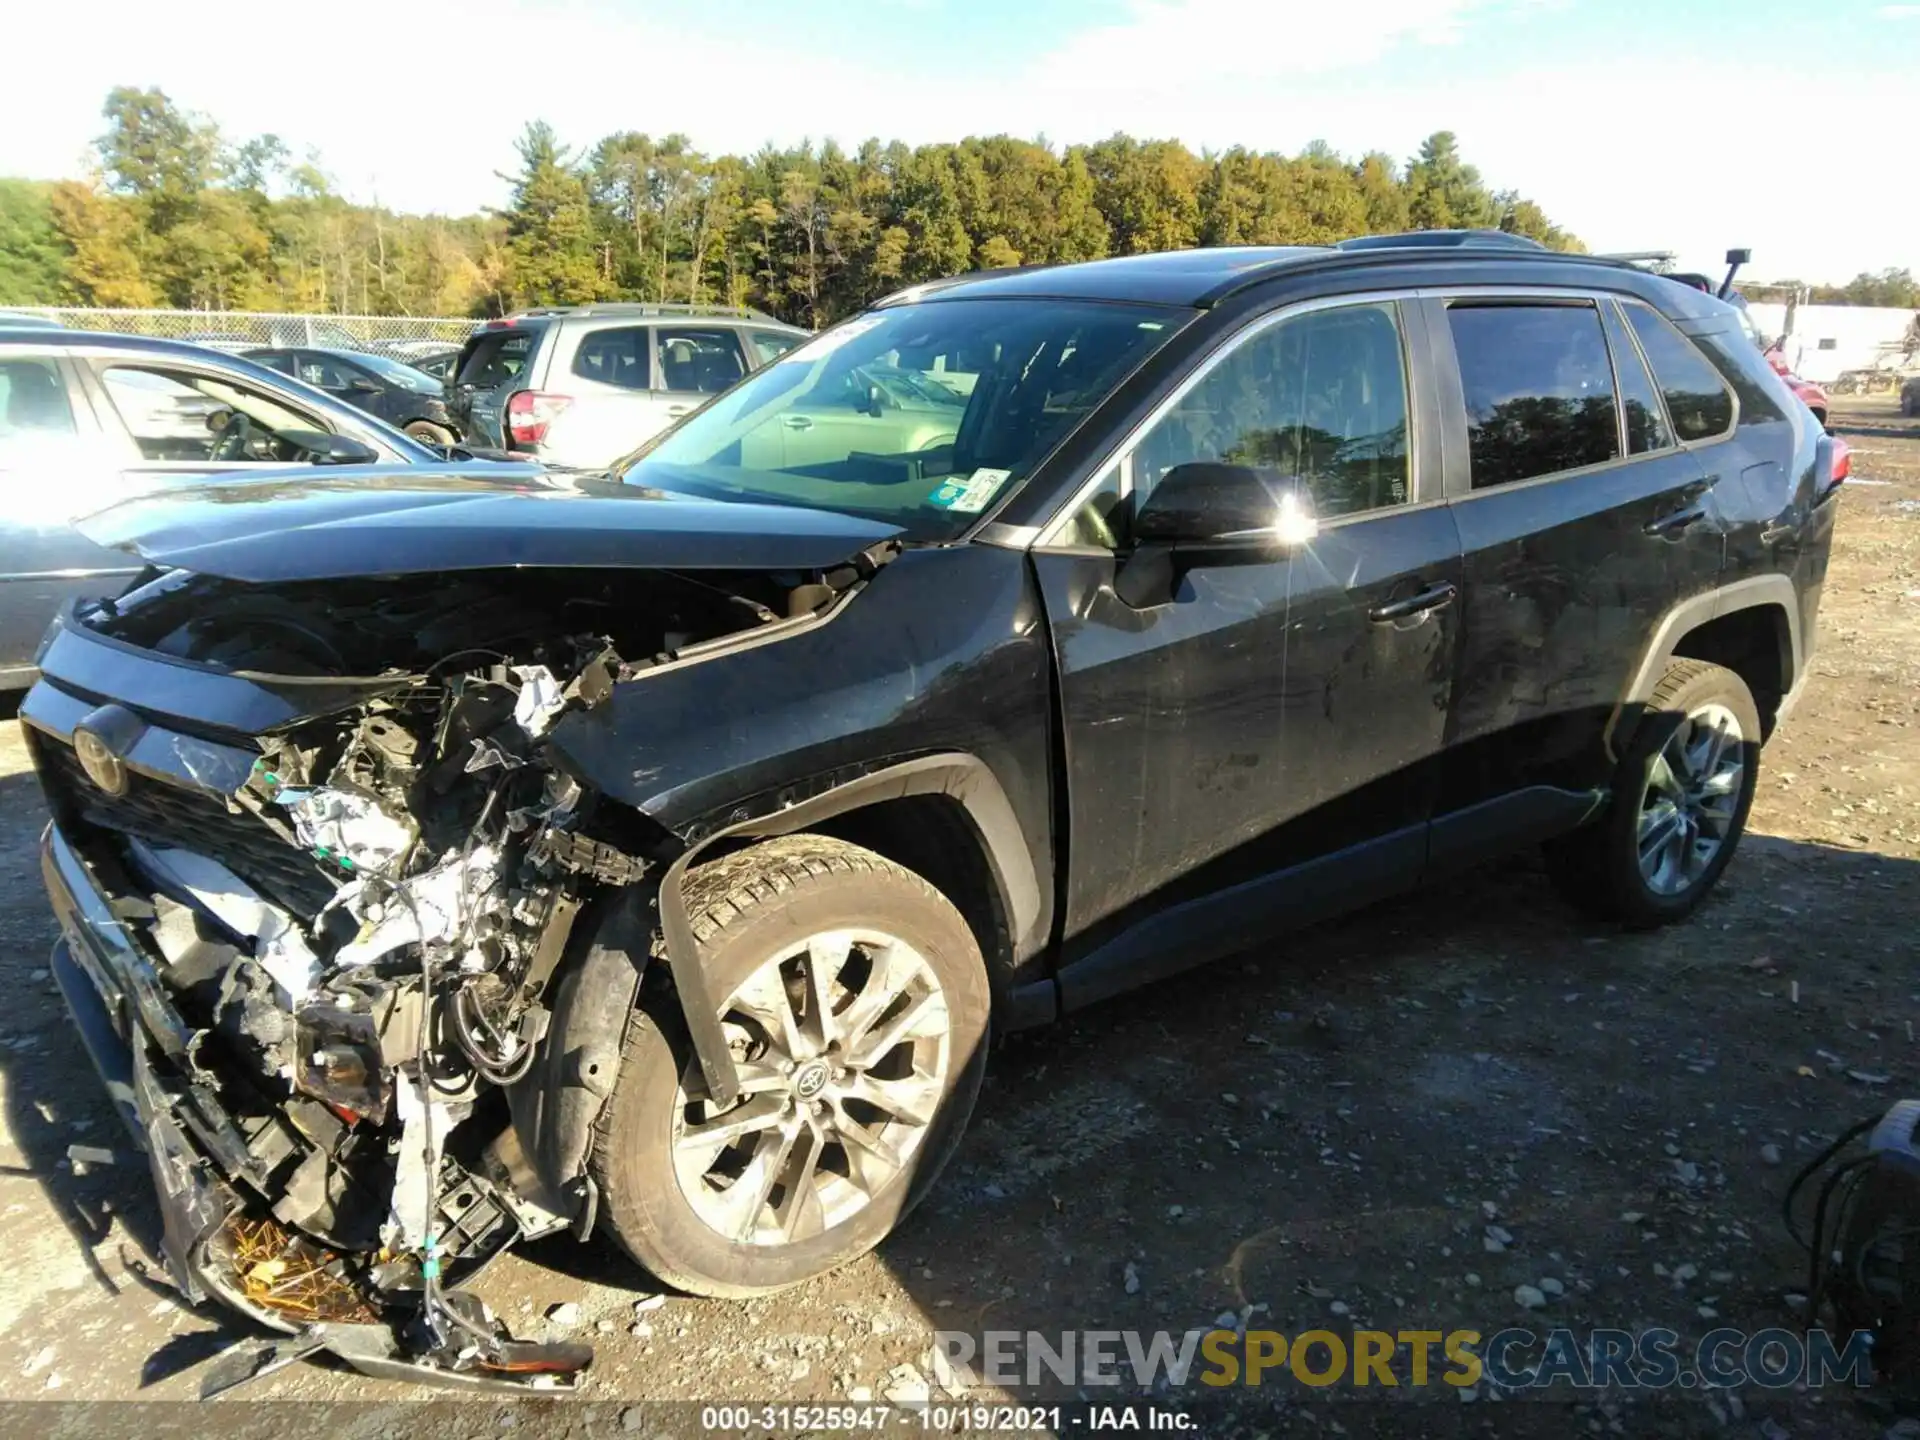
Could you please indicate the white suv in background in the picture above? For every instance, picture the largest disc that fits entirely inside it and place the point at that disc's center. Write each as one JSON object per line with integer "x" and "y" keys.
{"x": 584, "y": 385}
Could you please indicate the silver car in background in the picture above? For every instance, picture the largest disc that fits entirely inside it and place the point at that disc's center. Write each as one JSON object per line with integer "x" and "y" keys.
{"x": 584, "y": 385}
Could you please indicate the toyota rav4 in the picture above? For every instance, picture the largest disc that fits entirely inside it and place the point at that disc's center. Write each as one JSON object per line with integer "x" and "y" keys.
{"x": 444, "y": 861}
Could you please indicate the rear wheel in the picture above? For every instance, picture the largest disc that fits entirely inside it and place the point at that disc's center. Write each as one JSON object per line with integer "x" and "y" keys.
{"x": 1679, "y": 806}
{"x": 429, "y": 433}
{"x": 855, "y": 1004}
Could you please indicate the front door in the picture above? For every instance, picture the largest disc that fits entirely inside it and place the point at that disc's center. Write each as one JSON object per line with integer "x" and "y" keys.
{"x": 1222, "y": 747}
{"x": 1583, "y": 522}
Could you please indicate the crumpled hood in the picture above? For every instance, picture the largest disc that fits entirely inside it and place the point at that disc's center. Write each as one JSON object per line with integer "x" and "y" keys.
{"x": 405, "y": 520}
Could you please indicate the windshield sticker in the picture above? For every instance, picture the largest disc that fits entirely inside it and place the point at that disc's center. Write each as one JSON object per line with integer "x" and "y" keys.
{"x": 969, "y": 496}
{"x": 831, "y": 340}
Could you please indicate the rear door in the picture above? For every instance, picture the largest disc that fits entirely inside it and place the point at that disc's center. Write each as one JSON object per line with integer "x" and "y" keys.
{"x": 1583, "y": 522}
{"x": 1278, "y": 709}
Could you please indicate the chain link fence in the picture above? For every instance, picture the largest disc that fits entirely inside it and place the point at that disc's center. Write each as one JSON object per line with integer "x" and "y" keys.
{"x": 235, "y": 328}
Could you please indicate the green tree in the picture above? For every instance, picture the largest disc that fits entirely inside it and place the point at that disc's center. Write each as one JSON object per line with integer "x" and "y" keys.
{"x": 1149, "y": 191}
{"x": 1446, "y": 193}
{"x": 551, "y": 242}
{"x": 1388, "y": 204}
{"x": 157, "y": 153}
{"x": 31, "y": 257}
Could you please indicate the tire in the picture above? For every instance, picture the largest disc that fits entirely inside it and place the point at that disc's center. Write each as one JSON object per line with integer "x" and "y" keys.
{"x": 429, "y": 433}
{"x": 1601, "y": 868}
{"x": 672, "y": 1209}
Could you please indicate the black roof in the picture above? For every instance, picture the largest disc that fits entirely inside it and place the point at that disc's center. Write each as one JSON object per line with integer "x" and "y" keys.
{"x": 1205, "y": 277}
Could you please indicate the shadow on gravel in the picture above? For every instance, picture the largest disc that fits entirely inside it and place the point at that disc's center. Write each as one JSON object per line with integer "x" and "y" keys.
{"x": 1876, "y": 432}
{"x": 54, "y": 1098}
{"x": 1319, "y": 1134}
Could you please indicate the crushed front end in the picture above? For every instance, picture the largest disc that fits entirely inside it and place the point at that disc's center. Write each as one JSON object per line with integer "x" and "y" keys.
{"x": 323, "y": 885}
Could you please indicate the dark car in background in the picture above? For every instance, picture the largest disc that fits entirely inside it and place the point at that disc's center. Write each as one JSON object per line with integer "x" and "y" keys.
{"x": 381, "y": 385}
{"x": 89, "y": 419}
{"x": 678, "y": 838}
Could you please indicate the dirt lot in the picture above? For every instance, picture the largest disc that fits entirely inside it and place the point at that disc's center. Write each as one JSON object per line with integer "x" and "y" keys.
{"x": 1325, "y": 1130}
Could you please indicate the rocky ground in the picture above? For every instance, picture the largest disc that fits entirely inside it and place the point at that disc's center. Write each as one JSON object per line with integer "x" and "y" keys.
{"x": 1469, "y": 1109}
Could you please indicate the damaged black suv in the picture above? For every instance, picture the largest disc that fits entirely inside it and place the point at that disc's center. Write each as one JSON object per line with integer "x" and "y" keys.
{"x": 443, "y": 861}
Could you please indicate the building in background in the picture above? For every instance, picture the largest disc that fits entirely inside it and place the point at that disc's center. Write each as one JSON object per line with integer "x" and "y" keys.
{"x": 1821, "y": 342}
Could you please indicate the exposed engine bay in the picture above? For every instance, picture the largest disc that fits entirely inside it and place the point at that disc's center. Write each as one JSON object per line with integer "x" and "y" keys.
{"x": 358, "y": 963}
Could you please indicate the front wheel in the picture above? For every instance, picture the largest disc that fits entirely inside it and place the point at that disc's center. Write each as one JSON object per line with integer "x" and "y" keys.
{"x": 1679, "y": 807}
{"x": 855, "y": 1003}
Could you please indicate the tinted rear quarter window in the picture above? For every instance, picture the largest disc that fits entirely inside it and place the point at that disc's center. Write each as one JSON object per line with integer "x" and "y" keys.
{"x": 1745, "y": 369}
{"x": 1538, "y": 388}
{"x": 1697, "y": 399}
{"x": 1646, "y": 417}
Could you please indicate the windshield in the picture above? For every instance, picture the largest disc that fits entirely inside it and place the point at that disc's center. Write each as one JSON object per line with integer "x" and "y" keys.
{"x": 396, "y": 373}
{"x": 921, "y": 416}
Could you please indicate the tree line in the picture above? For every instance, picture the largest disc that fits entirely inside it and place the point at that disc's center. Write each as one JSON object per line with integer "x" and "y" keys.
{"x": 178, "y": 214}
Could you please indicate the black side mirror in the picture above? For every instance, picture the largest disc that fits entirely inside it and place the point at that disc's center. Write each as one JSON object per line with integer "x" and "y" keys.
{"x": 1205, "y": 504}
{"x": 1206, "y": 513}
{"x": 876, "y": 400}
{"x": 324, "y": 449}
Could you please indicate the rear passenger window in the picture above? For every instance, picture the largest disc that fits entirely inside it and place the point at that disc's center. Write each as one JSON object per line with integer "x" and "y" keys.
{"x": 1646, "y": 421}
{"x": 699, "y": 362}
{"x": 614, "y": 357}
{"x": 33, "y": 405}
{"x": 1539, "y": 390}
{"x": 1697, "y": 398}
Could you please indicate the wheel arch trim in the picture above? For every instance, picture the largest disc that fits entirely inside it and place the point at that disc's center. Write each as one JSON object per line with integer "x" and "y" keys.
{"x": 962, "y": 777}
{"x": 1752, "y": 593}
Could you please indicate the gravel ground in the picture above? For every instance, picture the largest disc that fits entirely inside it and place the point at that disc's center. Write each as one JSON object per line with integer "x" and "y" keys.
{"x": 1397, "y": 1121}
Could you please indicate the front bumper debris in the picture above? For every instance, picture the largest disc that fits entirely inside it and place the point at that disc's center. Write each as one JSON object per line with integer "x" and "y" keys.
{"x": 218, "y": 1234}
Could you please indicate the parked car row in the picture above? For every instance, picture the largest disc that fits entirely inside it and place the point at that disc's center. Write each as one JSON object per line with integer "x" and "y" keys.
{"x": 89, "y": 419}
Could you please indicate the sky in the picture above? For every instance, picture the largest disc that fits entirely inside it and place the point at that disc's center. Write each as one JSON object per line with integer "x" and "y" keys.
{"x": 1683, "y": 125}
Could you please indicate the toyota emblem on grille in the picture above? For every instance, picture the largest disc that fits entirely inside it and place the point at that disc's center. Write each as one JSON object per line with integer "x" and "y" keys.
{"x": 103, "y": 767}
{"x": 101, "y": 742}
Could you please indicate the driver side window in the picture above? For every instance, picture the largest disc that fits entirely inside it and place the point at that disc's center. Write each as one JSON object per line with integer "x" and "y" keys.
{"x": 1321, "y": 397}
{"x": 181, "y": 416}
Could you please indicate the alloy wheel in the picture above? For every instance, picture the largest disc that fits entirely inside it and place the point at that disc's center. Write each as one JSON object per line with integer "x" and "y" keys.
{"x": 1691, "y": 798}
{"x": 842, "y": 1043}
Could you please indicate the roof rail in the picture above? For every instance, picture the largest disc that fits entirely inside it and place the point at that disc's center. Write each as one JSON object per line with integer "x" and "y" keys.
{"x": 649, "y": 307}
{"x": 1439, "y": 239}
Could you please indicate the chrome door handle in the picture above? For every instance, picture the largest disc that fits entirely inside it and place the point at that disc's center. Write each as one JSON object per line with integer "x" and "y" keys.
{"x": 1679, "y": 520}
{"x": 1432, "y": 598}
{"x": 797, "y": 422}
